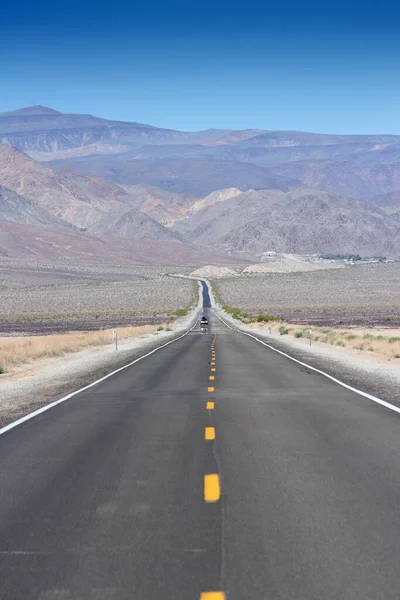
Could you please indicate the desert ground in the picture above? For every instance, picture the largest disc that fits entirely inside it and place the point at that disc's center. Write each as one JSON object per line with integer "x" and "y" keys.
{"x": 52, "y": 297}
{"x": 359, "y": 295}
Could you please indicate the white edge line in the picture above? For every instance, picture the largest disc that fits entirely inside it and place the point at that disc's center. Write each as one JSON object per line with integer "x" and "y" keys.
{"x": 349, "y": 387}
{"x": 43, "y": 409}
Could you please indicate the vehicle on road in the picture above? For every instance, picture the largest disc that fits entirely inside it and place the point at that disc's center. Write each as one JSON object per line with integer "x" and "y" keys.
{"x": 204, "y": 324}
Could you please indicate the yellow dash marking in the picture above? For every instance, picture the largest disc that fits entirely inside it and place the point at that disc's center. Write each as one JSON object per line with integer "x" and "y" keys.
{"x": 210, "y": 433}
{"x": 212, "y": 490}
{"x": 213, "y": 369}
{"x": 210, "y": 389}
{"x": 212, "y": 596}
{"x": 213, "y": 363}
{"x": 211, "y": 377}
{"x": 210, "y": 405}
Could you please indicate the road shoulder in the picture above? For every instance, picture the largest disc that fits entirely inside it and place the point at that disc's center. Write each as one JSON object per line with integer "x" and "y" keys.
{"x": 382, "y": 381}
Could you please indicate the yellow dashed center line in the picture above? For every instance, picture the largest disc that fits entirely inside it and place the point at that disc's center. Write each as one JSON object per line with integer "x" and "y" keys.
{"x": 212, "y": 486}
{"x": 212, "y": 489}
{"x": 209, "y": 433}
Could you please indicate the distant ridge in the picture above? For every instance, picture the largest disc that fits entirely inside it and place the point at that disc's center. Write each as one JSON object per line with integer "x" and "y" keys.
{"x": 31, "y": 111}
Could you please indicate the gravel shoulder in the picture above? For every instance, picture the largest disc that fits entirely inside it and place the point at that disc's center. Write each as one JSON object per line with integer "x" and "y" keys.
{"x": 50, "y": 379}
{"x": 368, "y": 376}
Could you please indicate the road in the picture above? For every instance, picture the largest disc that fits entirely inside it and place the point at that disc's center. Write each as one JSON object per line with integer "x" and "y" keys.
{"x": 105, "y": 496}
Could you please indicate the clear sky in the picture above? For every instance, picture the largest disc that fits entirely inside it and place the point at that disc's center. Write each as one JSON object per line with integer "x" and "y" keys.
{"x": 321, "y": 66}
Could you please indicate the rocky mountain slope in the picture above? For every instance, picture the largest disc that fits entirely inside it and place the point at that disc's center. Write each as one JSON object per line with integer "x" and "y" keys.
{"x": 198, "y": 163}
{"x": 163, "y": 206}
{"x": 300, "y": 221}
{"x": 18, "y": 209}
{"x": 28, "y": 241}
{"x": 61, "y": 196}
{"x": 223, "y": 189}
{"x": 191, "y": 176}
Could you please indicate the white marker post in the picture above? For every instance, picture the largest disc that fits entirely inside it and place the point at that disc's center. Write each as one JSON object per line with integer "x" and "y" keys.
{"x": 115, "y": 338}
{"x": 310, "y": 335}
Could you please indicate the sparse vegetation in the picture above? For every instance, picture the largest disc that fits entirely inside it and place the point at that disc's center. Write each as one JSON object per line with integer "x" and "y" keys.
{"x": 181, "y": 312}
{"x": 265, "y": 318}
{"x": 381, "y": 344}
{"x": 351, "y": 257}
{"x": 366, "y": 294}
{"x": 40, "y": 297}
{"x": 19, "y": 350}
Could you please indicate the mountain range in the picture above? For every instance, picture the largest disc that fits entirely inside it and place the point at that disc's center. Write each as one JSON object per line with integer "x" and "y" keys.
{"x": 245, "y": 192}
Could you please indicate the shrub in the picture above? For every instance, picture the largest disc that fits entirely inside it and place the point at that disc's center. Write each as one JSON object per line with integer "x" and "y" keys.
{"x": 1, "y": 369}
{"x": 232, "y": 310}
{"x": 351, "y": 336}
{"x": 265, "y": 318}
{"x": 360, "y": 347}
{"x": 397, "y": 355}
{"x": 283, "y": 330}
{"x": 181, "y": 312}
{"x": 371, "y": 349}
{"x": 160, "y": 328}
{"x": 298, "y": 334}
{"x": 393, "y": 340}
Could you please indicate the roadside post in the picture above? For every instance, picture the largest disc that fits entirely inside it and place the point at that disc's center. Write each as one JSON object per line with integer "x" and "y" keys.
{"x": 310, "y": 335}
{"x": 115, "y": 338}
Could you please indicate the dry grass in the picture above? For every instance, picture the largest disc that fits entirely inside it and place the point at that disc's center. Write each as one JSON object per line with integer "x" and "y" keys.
{"x": 16, "y": 351}
{"x": 381, "y": 344}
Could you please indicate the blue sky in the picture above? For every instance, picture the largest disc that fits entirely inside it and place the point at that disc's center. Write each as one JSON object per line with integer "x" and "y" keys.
{"x": 311, "y": 66}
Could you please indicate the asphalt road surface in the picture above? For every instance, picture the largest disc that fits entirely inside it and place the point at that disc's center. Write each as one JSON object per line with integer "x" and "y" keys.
{"x": 267, "y": 482}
